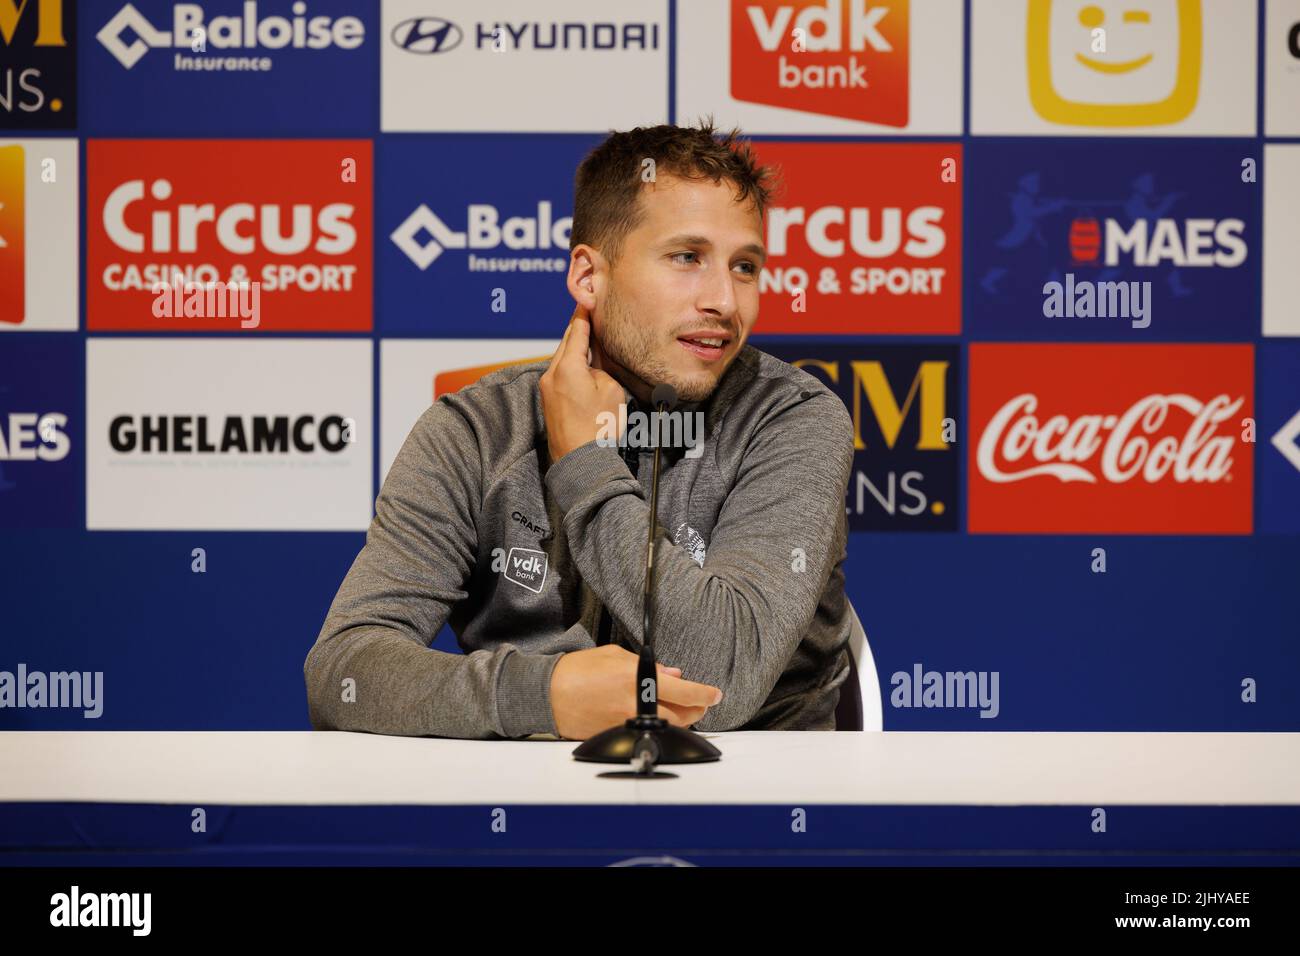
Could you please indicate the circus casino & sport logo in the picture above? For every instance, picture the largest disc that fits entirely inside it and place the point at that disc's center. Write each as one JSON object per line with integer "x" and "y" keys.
{"x": 292, "y": 215}
{"x": 869, "y": 233}
{"x": 904, "y": 401}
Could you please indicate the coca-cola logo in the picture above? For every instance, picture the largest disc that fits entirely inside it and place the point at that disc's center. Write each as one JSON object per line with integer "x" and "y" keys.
{"x": 1016, "y": 445}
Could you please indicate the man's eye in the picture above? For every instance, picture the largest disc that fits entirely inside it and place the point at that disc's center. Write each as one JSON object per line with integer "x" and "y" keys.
{"x": 751, "y": 268}
{"x": 676, "y": 254}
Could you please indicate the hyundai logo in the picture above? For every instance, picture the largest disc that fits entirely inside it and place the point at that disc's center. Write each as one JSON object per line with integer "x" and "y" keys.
{"x": 427, "y": 35}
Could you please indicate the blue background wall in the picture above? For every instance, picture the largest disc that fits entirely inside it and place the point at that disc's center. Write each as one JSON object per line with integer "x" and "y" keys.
{"x": 1161, "y": 641}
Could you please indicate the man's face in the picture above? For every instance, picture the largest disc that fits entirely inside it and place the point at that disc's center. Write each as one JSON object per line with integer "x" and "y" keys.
{"x": 688, "y": 273}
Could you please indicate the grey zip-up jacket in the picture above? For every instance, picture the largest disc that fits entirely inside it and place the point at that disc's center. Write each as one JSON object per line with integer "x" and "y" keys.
{"x": 528, "y": 560}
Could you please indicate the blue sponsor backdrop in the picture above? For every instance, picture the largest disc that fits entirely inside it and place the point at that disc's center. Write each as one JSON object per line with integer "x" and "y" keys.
{"x": 1161, "y": 641}
{"x": 316, "y": 74}
{"x": 905, "y": 474}
{"x": 42, "y": 464}
{"x": 1278, "y": 481}
{"x": 1041, "y": 210}
{"x": 452, "y": 198}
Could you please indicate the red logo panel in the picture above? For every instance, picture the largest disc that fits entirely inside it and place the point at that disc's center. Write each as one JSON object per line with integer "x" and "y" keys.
{"x": 1141, "y": 439}
{"x": 871, "y": 232}
{"x": 228, "y": 235}
{"x": 844, "y": 58}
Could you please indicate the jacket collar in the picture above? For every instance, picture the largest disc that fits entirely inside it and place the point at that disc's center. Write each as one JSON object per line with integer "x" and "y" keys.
{"x": 742, "y": 371}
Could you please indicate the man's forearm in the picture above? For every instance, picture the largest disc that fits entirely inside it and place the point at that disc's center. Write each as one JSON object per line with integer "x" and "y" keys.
{"x": 373, "y": 679}
{"x": 727, "y": 633}
{"x": 736, "y": 621}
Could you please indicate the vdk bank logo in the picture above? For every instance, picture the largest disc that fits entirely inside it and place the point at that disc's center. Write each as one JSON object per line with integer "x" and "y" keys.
{"x": 38, "y": 64}
{"x": 846, "y": 58}
{"x": 1114, "y": 64}
{"x": 239, "y": 43}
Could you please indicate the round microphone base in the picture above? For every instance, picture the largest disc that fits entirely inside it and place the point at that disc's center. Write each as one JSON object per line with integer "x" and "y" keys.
{"x": 668, "y": 744}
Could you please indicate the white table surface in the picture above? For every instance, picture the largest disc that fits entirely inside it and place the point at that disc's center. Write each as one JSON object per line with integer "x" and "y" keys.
{"x": 768, "y": 767}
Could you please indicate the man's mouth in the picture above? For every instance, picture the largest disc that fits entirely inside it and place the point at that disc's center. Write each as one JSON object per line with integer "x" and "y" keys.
{"x": 707, "y": 347}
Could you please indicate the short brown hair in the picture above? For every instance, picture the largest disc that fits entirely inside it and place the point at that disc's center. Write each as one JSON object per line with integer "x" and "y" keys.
{"x": 607, "y": 187}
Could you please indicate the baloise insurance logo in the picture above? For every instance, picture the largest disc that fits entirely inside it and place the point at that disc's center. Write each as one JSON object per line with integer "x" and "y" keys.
{"x": 243, "y": 42}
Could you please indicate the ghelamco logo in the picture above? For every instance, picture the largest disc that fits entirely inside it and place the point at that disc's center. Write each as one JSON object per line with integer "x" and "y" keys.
{"x": 484, "y": 230}
{"x": 191, "y": 30}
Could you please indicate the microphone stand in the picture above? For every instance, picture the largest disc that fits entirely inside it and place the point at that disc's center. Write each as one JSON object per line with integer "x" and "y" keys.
{"x": 648, "y": 739}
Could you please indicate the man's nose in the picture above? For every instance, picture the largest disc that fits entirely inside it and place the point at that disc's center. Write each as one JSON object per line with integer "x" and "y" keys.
{"x": 718, "y": 294}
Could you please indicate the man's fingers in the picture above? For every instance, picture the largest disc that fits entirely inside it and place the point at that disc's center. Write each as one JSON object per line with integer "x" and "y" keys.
{"x": 580, "y": 347}
{"x": 688, "y": 693}
{"x": 564, "y": 340}
{"x": 680, "y": 716}
{"x": 577, "y": 341}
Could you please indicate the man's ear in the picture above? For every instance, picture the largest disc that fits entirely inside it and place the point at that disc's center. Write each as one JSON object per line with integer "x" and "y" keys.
{"x": 584, "y": 280}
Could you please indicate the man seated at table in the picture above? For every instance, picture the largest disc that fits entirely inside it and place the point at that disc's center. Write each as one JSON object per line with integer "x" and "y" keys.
{"x": 510, "y": 514}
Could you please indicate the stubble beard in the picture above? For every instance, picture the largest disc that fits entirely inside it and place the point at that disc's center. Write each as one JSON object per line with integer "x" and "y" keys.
{"x": 633, "y": 346}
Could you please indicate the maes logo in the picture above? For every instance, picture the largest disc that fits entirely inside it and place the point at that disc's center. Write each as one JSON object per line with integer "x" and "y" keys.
{"x": 247, "y": 33}
{"x": 1171, "y": 231}
{"x": 845, "y": 58}
{"x": 1185, "y": 242}
{"x": 29, "y": 436}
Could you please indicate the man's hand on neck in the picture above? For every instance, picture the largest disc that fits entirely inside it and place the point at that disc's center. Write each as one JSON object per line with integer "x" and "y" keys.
{"x": 577, "y": 398}
{"x": 631, "y": 384}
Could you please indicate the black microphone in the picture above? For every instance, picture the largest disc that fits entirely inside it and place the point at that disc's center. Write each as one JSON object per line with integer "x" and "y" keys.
{"x": 663, "y": 394}
{"x": 648, "y": 739}
{"x": 662, "y": 398}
